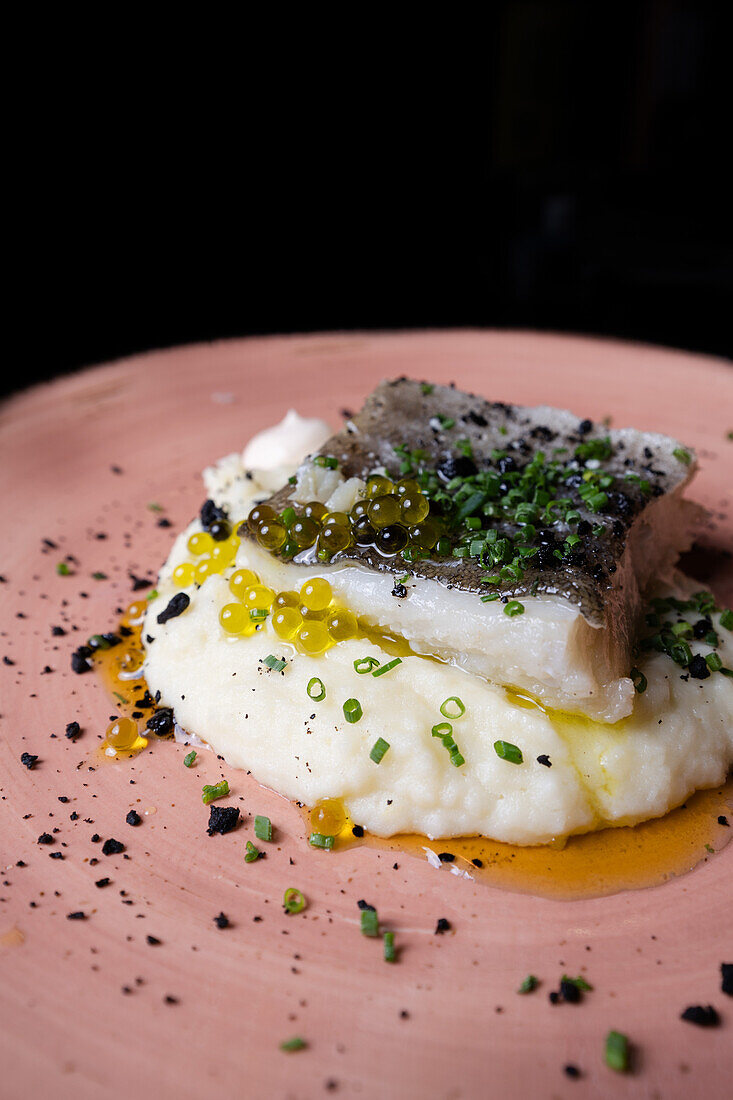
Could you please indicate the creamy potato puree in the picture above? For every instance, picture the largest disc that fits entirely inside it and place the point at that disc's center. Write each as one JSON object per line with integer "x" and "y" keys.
{"x": 679, "y": 737}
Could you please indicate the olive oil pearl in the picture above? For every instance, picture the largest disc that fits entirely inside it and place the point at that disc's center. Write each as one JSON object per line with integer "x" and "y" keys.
{"x": 315, "y": 510}
{"x": 363, "y": 532}
{"x": 307, "y": 613}
{"x": 132, "y": 661}
{"x": 286, "y": 623}
{"x": 233, "y": 618}
{"x": 122, "y": 734}
{"x": 424, "y": 535}
{"x": 390, "y": 540}
{"x": 220, "y": 530}
{"x": 260, "y": 514}
{"x": 314, "y": 638}
{"x": 183, "y": 574}
{"x": 328, "y": 817}
{"x": 241, "y": 581}
{"x": 378, "y": 486}
{"x": 304, "y": 532}
{"x": 136, "y": 610}
{"x": 200, "y": 543}
{"x": 316, "y": 594}
{"x": 407, "y": 486}
{"x": 271, "y": 535}
{"x": 414, "y": 507}
{"x": 259, "y": 596}
{"x": 384, "y": 510}
{"x": 341, "y": 625}
{"x": 286, "y": 599}
{"x": 332, "y": 539}
{"x": 359, "y": 509}
{"x": 336, "y": 517}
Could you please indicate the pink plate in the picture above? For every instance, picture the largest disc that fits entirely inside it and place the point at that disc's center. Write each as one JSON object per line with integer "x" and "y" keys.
{"x": 83, "y": 1002}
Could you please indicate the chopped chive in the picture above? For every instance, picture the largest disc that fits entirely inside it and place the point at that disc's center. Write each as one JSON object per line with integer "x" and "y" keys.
{"x": 296, "y": 1043}
{"x": 378, "y": 750}
{"x": 212, "y": 791}
{"x": 459, "y": 706}
{"x": 319, "y": 840}
{"x": 365, "y": 664}
{"x": 252, "y": 853}
{"x": 62, "y": 569}
{"x": 514, "y": 607}
{"x": 386, "y": 668}
{"x": 713, "y": 661}
{"x": 442, "y": 730}
{"x": 506, "y": 751}
{"x": 639, "y": 680}
{"x": 456, "y": 759}
{"x": 152, "y": 595}
{"x": 189, "y": 759}
{"x": 529, "y": 984}
{"x": 293, "y": 900}
{"x": 275, "y": 663}
{"x": 389, "y": 949}
{"x": 263, "y": 827}
{"x": 427, "y": 388}
{"x": 726, "y": 619}
{"x": 369, "y": 922}
{"x": 258, "y": 615}
{"x": 316, "y": 684}
{"x": 682, "y": 455}
{"x": 579, "y": 983}
{"x": 490, "y": 597}
{"x": 617, "y": 1051}
{"x": 352, "y": 710}
{"x": 329, "y": 461}
{"x": 99, "y": 576}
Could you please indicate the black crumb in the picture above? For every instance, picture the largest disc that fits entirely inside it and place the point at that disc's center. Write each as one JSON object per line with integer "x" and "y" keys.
{"x": 571, "y": 1071}
{"x": 399, "y": 591}
{"x": 222, "y": 921}
{"x": 45, "y": 838}
{"x": 101, "y": 882}
{"x": 112, "y": 847}
{"x": 544, "y": 760}
{"x": 73, "y": 730}
{"x": 569, "y": 992}
{"x": 169, "y": 1000}
{"x": 726, "y": 976}
{"x": 28, "y": 760}
{"x": 153, "y": 941}
{"x": 723, "y": 820}
{"x": 365, "y": 905}
{"x": 133, "y": 818}
{"x": 477, "y": 862}
{"x": 222, "y": 819}
{"x": 358, "y": 830}
{"x": 702, "y": 1015}
{"x": 161, "y": 723}
{"x": 176, "y": 606}
{"x": 79, "y": 915}
{"x": 443, "y": 925}
{"x": 446, "y": 857}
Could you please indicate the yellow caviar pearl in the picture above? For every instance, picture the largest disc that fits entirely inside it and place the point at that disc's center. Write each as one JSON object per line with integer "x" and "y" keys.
{"x": 384, "y": 511}
{"x": 342, "y": 624}
{"x": 313, "y": 637}
{"x": 250, "y": 628}
{"x": 286, "y": 622}
{"x": 122, "y": 734}
{"x": 307, "y": 613}
{"x": 259, "y": 596}
{"x": 328, "y": 817}
{"x": 414, "y": 507}
{"x": 233, "y": 618}
{"x": 204, "y": 569}
{"x": 287, "y": 599}
{"x": 200, "y": 543}
{"x": 316, "y": 594}
{"x": 183, "y": 574}
{"x": 242, "y": 580}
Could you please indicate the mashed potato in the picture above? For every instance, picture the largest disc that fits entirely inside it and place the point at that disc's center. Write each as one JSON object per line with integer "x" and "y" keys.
{"x": 679, "y": 737}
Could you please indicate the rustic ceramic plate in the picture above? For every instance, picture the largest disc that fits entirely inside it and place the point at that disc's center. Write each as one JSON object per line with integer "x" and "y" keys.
{"x": 89, "y": 1007}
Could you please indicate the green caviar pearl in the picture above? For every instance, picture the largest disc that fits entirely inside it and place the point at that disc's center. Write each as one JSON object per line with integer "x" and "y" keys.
{"x": 378, "y": 486}
{"x": 332, "y": 539}
{"x": 287, "y": 622}
{"x": 363, "y": 532}
{"x": 383, "y": 511}
{"x": 342, "y": 624}
{"x": 407, "y": 486}
{"x": 271, "y": 535}
{"x": 233, "y": 618}
{"x": 286, "y": 599}
{"x": 390, "y": 540}
{"x": 424, "y": 535}
{"x": 414, "y": 507}
{"x": 315, "y": 510}
{"x": 304, "y": 532}
{"x": 314, "y": 638}
{"x": 261, "y": 513}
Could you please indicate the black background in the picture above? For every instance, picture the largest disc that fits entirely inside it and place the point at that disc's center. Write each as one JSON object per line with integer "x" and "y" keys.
{"x": 560, "y": 166}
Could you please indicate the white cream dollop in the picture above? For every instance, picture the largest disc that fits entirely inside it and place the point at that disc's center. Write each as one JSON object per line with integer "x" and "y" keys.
{"x": 285, "y": 443}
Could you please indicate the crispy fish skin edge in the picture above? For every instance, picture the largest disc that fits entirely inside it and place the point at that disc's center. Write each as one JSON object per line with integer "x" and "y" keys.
{"x": 398, "y": 412}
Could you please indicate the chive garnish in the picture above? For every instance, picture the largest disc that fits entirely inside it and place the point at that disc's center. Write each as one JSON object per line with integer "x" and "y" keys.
{"x": 514, "y": 607}
{"x": 726, "y": 619}
{"x": 579, "y": 983}
{"x": 639, "y": 680}
{"x": 713, "y": 661}
{"x": 369, "y": 922}
{"x": 293, "y": 900}
{"x": 529, "y": 984}
{"x": 389, "y": 949}
{"x": 315, "y": 684}
{"x": 189, "y": 759}
{"x": 426, "y": 388}
{"x": 296, "y": 1043}
{"x": 329, "y": 461}
{"x": 386, "y": 668}
{"x": 263, "y": 828}
{"x": 212, "y": 791}
{"x": 365, "y": 664}
{"x": 682, "y": 455}
{"x": 617, "y": 1051}
{"x": 459, "y": 707}
{"x": 275, "y": 663}
{"x": 508, "y": 752}
{"x": 318, "y": 840}
{"x": 62, "y": 569}
{"x": 352, "y": 710}
{"x": 251, "y": 853}
{"x": 378, "y": 750}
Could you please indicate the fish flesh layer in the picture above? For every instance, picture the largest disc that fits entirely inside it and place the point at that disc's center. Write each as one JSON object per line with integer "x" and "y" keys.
{"x": 553, "y": 529}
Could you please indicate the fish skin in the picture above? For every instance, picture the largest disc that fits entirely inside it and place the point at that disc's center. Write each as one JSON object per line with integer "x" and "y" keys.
{"x": 398, "y": 412}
